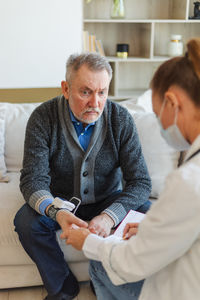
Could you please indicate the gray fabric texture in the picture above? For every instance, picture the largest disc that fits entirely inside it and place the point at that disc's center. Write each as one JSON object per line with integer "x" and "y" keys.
{"x": 54, "y": 161}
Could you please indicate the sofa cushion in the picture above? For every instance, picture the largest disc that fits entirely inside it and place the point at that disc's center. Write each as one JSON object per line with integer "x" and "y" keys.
{"x": 160, "y": 158}
{"x": 3, "y": 176}
{"x": 16, "y": 117}
{"x": 11, "y": 252}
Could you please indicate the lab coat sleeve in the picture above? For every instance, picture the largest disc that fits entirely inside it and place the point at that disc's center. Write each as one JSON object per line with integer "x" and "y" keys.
{"x": 93, "y": 243}
{"x": 169, "y": 229}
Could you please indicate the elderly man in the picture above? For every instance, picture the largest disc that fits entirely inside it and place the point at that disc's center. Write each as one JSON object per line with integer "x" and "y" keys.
{"x": 78, "y": 144}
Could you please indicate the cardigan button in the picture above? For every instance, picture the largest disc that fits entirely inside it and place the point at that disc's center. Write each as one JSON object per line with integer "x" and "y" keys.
{"x": 85, "y": 173}
{"x": 85, "y": 191}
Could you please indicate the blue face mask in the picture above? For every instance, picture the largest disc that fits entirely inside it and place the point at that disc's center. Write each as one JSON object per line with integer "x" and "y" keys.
{"x": 172, "y": 134}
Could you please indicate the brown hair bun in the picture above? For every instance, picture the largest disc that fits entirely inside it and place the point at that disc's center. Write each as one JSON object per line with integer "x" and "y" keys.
{"x": 193, "y": 47}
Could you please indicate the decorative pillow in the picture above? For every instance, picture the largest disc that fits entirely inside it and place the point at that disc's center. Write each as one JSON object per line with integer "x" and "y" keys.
{"x": 16, "y": 117}
{"x": 142, "y": 104}
{"x": 3, "y": 177}
{"x": 160, "y": 158}
{"x": 144, "y": 101}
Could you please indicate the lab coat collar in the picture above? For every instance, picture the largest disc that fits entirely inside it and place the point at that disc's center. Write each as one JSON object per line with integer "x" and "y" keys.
{"x": 193, "y": 148}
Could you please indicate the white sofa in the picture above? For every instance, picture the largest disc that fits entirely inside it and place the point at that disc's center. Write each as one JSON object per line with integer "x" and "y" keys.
{"x": 16, "y": 268}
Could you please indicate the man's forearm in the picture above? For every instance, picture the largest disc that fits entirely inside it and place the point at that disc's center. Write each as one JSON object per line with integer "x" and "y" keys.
{"x": 40, "y": 200}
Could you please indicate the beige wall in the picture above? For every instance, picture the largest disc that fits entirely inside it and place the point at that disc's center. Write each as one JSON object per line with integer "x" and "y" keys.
{"x": 28, "y": 95}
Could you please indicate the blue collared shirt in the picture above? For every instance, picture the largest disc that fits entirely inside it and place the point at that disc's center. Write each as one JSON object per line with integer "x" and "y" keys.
{"x": 84, "y": 134}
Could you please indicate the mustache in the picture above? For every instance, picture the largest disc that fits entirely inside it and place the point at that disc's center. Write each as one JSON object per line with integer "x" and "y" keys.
{"x": 95, "y": 109}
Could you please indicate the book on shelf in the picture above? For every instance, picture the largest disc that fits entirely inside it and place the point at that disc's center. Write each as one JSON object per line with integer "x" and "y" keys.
{"x": 99, "y": 47}
{"x": 91, "y": 44}
{"x": 85, "y": 41}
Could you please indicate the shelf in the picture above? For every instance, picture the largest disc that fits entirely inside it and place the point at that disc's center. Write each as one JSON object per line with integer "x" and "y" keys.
{"x": 112, "y": 34}
{"x": 160, "y": 58}
{"x": 142, "y": 10}
{"x": 140, "y": 21}
{"x": 147, "y": 28}
{"x": 116, "y": 21}
{"x": 163, "y": 31}
{"x": 137, "y": 59}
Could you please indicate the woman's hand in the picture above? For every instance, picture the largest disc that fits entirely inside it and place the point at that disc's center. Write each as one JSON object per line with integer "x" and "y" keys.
{"x": 67, "y": 220}
{"x": 76, "y": 237}
{"x": 130, "y": 230}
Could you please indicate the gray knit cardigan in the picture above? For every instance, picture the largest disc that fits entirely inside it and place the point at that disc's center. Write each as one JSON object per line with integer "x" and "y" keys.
{"x": 55, "y": 164}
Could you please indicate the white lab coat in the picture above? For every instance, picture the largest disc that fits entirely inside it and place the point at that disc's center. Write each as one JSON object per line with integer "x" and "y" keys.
{"x": 166, "y": 250}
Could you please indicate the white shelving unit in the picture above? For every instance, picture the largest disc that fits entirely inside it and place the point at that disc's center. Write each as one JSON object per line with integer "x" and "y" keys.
{"x": 147, "y": 27}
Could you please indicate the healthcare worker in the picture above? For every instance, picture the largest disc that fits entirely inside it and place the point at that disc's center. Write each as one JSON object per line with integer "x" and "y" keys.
{"x": 166, "y": 249}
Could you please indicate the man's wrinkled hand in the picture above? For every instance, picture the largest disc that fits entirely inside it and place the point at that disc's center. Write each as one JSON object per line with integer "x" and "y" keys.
{"x": 76, "y": 237}
{"x": 67, "y": 220}
{"x": 101, "y": 225}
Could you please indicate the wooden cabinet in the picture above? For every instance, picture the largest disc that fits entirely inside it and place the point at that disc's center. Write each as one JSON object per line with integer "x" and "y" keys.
{"x": 146, "y": 27}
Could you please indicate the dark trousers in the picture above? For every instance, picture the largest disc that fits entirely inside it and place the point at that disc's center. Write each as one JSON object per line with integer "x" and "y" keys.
{"x": 37, "y": 235}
